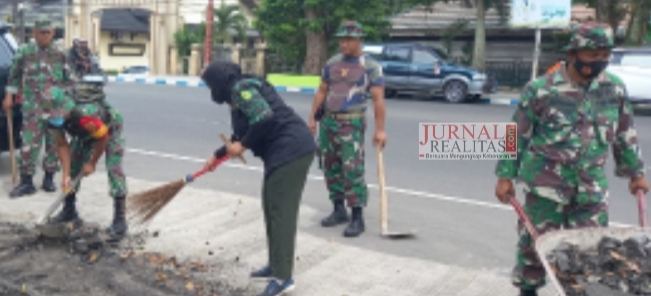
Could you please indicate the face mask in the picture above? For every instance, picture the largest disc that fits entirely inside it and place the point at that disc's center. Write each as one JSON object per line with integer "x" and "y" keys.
{"x": 590, "y": 70}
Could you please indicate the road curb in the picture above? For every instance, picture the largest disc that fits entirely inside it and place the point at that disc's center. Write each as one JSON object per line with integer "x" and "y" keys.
{"x": 289, "y": 89}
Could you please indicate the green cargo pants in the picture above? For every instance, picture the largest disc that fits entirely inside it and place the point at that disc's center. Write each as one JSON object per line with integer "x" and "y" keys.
{"x": 281, "y": 199}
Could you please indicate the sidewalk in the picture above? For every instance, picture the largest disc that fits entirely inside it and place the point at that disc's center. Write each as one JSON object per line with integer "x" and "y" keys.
{"x": 502, "y": 98}
{"x": 201, "y": 221}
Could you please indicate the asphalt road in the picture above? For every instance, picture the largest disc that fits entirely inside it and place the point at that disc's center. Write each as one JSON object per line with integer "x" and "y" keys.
{"x": 170, "y": 130}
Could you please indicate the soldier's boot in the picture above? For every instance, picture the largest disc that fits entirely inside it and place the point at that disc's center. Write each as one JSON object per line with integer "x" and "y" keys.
{"x": 69, "y": 211}
{"x": 356, "y": 225}
{"x": 119, "y": 226}
{"x": 26, "y": 187}
{"x": 48, "y": 182}
{"x": 524, "y": 292}
{"x": 338, "y": 216}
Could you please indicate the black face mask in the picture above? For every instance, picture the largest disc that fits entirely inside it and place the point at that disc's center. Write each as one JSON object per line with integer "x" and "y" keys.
{"x": 590, "y": 70}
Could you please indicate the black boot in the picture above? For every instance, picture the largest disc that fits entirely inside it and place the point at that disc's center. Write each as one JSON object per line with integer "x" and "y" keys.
{"x": 48, "y": 182}
{"x": 338, "y": 216}
{"x": 69, "y": 211}
{"x": 356, "y": 225}
{"x": 524, "y": 292}
{"x": 26, "y": 187}
{"x": 119, "y": 227}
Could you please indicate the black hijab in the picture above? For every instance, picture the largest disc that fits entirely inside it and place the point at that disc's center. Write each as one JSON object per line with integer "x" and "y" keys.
{"x": 221, "y": 76}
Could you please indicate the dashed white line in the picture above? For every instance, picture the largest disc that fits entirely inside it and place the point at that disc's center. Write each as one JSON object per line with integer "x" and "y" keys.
{"x": 408, "y": 192}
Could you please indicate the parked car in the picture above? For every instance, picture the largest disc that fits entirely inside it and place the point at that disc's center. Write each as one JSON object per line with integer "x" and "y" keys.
{"x": 135, "y": 71}
{"x": 633, "y": 66}
{"x": 8, "y": 47}
{"x": 419, "y": 69}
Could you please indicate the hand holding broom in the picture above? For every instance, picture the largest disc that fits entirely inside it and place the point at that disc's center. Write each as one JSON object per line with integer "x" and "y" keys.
{"x": 145, "y": 205}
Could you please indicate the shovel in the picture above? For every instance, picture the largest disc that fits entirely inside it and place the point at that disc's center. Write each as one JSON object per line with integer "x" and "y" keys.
{"x": 55, "y": 230}
{"x": 384, "y": 213}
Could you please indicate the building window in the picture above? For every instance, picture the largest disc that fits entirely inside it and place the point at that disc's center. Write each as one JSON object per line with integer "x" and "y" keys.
{"x": 132, "y": 50}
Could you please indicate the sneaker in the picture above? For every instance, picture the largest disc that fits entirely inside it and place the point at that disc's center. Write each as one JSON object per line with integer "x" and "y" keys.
{"x": 276, "y": 288}
{"x": 263, "y": 273}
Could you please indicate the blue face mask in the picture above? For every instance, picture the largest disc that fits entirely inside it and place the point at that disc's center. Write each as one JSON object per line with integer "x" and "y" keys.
{"x": 56, "y": 121}
{"x": 589, "y": 70}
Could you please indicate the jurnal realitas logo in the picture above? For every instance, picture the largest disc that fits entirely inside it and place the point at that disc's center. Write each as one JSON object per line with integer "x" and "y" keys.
{"x": 467, "y": 141}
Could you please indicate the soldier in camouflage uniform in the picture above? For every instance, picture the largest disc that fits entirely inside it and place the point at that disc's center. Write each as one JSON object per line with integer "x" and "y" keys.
{"x": 41, "y": 72}
{"x": 96, "y": 129}
{"x": 567, "y": 120}
{"x": 340, "y": 106}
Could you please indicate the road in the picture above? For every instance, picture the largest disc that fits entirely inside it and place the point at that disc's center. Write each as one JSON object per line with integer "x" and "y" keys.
{"x": 170, "y": 130}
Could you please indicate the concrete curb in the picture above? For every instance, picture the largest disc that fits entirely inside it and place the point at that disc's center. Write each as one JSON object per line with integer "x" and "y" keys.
{"x": 290, "y": 89}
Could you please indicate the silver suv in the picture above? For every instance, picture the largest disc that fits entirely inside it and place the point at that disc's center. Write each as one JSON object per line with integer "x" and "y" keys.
{"x": 8, "y": 47}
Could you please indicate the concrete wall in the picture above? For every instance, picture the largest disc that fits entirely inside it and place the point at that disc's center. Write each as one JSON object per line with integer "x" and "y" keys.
{"x": 118, "y": 62}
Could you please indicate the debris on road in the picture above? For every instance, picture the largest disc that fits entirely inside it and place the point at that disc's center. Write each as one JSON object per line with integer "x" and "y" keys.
{"x": 84, "y": 264}
{"x": 613, "y": 268}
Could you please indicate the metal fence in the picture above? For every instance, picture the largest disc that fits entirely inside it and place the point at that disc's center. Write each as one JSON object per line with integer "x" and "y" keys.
{"x": 514, "y": 73}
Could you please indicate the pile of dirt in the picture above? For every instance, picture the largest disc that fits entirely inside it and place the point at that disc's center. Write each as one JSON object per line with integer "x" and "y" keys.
{"x": 613, "y": 268}
{"x": 84, "y": 263}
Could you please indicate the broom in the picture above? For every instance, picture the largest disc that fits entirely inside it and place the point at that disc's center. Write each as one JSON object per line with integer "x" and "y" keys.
{"x": 145, "y": 205}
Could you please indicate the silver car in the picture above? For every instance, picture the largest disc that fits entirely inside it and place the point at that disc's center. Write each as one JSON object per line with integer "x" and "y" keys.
{"x": 633, "y": 66}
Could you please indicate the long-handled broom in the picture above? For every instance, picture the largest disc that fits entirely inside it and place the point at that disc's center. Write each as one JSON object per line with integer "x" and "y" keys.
{"x": 145, "y": 205}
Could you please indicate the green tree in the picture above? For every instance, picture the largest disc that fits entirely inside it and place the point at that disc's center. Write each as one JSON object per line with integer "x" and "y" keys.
{"x": 611, "y": 12}
{"x": 481, "y": 6}
{"x": 186, "y": 36}
{"x": 638, "y": 26}
{"x": 228, "y": 17}
{"x": 303, "y": 29}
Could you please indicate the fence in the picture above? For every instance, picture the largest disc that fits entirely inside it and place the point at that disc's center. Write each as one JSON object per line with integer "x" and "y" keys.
{"x": 514, "y": 73}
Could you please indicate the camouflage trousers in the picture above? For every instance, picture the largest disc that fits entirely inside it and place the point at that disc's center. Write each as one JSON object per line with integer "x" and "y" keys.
{"x": 34, "y": 132}
{"x": 341, "y": 157}
{"x": 548, "y": 215}
{"x": 81, "y": 152}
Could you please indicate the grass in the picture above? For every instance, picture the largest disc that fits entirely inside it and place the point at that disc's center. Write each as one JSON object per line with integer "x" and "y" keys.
{"x": 294, "y": 80}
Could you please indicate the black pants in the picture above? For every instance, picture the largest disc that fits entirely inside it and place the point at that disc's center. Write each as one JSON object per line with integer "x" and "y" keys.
{"x": 281, "y": 198}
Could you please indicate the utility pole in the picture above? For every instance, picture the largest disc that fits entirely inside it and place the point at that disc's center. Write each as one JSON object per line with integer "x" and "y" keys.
{"x": 207, "y": 46}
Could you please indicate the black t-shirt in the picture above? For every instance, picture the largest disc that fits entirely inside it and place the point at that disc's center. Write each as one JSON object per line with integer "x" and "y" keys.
{"x": 267, "y": 126}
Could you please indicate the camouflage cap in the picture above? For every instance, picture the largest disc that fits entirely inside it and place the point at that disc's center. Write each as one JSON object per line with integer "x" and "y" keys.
{"x": 350, "y": 29}
{"x": 590, "y": 35}
{"x": 43, "y": 24}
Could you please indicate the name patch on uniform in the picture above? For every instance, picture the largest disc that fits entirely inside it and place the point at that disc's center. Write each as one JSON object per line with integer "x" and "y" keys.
{"x": 246, "y": 94}
{"x": 563, "y": 105}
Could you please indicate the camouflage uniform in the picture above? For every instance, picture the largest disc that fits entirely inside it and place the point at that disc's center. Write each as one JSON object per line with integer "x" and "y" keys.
{"x": 343, "y": 124}
{"x": 42, "y": 75}
{"x": 89, "y": 119}
{"x": 564, "y": 134}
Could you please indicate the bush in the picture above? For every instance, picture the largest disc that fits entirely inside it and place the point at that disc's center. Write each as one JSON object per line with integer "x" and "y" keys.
{"x": 111, "y": 72}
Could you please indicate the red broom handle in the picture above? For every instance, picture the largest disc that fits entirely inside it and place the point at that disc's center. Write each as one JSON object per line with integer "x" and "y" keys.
{"x": 524, "y": 218}
{"x": 641, "y": 206}
{"x": 190, "y": 178}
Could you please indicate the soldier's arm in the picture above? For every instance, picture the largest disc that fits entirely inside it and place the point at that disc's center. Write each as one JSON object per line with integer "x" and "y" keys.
{"x": 16, "y": 72}
{"x": 376, "y": 80}
{"x": 626, "y": 149}
{"x": 248, "y": 100}
{"x": 69, "y": 75}
{"x": 321, "y": 94}
{"x": 524, "y": 117}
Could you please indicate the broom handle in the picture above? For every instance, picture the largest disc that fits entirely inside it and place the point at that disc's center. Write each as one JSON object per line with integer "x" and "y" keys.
{"x": 641, "y": 205}
{"x": 200, "y": 173}
{"x": 227, "y": 141}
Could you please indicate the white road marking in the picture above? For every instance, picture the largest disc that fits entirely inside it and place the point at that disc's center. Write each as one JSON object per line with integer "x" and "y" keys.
{"x": 408, "y": 192}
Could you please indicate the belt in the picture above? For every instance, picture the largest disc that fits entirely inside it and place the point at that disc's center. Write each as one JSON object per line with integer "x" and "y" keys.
{"x": 344, "y": 115}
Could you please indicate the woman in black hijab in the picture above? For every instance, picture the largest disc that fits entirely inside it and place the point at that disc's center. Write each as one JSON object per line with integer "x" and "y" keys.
{"x": 263, "y": 124}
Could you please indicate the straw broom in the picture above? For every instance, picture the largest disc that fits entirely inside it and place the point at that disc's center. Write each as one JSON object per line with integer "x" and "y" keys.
{"x": 145, "y": 205}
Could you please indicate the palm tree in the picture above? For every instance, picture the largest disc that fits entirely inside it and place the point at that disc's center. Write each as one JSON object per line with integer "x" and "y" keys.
{"x": 228, "y": 17}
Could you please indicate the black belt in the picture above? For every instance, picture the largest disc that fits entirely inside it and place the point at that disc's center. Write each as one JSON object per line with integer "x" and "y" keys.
{"x": 344, "y": 115}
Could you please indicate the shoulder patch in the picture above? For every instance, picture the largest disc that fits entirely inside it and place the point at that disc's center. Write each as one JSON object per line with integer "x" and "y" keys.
{"x": 246, "y": 95}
